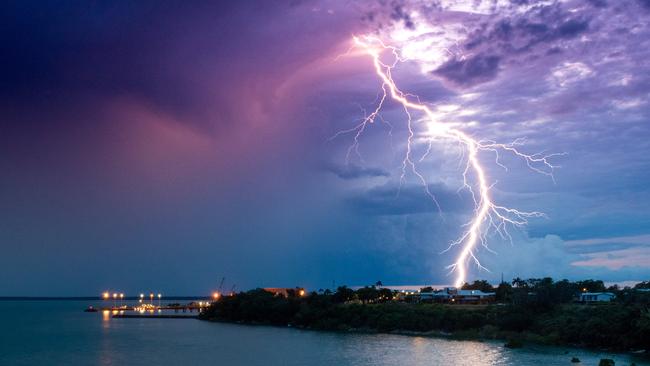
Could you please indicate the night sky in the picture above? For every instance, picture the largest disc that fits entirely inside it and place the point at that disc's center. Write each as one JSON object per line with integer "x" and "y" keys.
{"x": 163, "y": 145}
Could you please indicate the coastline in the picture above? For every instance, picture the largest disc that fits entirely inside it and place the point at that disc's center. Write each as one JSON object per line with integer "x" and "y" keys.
{"x": 529, "y": 340}
{"x": 617, "y": 326}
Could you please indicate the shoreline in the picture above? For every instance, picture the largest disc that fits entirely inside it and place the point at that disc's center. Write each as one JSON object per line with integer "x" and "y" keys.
{"x": 529, "y": 340}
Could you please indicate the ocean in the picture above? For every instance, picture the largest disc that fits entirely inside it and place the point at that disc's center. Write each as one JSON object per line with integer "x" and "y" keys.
{"x": 60, "y": 333}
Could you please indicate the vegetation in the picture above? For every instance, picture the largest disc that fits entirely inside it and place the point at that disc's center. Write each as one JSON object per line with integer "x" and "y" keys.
{"x": 537, "y": 310}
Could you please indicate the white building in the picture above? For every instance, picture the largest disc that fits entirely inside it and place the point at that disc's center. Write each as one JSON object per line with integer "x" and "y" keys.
{"x": 451, "y": 294}
{"x": 596, "y": 297}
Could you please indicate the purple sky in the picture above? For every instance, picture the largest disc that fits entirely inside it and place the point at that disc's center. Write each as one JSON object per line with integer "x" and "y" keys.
{"x": 163, "y": 145}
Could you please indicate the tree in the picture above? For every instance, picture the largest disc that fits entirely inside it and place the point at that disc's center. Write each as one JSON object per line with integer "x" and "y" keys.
{"x": 504, "y": 292}
{"x": 591, "y": 286}
{"x": 385, "y": 294}
{"x": 564, "y": 291}
{"x": 343, "y": 294}
{"x": 519, "y": 283}
{"x": 481, "y": 285}
{"x": 367, "y": 294}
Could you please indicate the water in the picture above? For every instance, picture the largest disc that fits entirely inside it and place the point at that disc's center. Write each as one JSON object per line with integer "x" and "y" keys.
{"x": 60, "y": 333}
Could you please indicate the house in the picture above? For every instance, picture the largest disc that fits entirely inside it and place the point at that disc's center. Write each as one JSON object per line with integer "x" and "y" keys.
{"x": 591, "y": 297}
{"x": 474, "y": 296}
{"x": 453, "y": 295}
{"x": 436, "y": 296}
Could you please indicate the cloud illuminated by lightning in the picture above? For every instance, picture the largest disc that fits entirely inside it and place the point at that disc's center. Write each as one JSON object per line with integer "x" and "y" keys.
{"x": 488, "y": 216}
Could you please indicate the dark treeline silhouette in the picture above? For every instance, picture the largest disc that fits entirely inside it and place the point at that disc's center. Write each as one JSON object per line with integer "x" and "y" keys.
{"x": 535, "y": 310}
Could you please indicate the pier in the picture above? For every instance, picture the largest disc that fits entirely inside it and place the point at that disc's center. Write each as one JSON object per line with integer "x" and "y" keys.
{"x": 156, "y": 316}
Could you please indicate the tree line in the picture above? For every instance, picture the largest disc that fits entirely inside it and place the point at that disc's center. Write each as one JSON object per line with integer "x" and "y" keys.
{"x": 535, "y": 310}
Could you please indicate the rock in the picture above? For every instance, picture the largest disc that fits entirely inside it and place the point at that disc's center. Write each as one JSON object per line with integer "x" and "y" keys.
{"x": 513, "y": 343}
{"x": 575, "y": 359}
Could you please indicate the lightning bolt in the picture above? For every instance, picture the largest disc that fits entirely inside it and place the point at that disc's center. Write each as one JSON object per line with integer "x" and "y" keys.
{"x": 488, "y": 216}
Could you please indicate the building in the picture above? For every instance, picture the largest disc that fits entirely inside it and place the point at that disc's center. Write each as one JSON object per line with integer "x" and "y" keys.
{"x": 474, "y": 297}
{"x": 453, "y": 295}
{"x": 591, "y": 297}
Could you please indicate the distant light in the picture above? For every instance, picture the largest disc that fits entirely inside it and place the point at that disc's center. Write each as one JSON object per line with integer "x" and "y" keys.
{"x": 121, "y": 296}
{"x": 115, "y": 295}
{"x": 106, "y": 295}
{"x": 215, "y": 295}
{"x": 141, "y": 295}
{"x": 159, "y": 296}
{"x": 302, "y": 292}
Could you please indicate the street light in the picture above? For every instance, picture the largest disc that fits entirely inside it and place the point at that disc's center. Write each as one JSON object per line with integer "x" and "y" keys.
{"x": 151, "y": 298}
{"x": 141, "y": 298}
{"x": 121, "y": 299}
{"x": 215, "y": 296}
{"x": 159, "y": 296}
{"x": 115, "y": 299}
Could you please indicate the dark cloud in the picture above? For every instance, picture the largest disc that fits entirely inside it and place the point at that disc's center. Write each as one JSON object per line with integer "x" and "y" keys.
{"x": 598, "y": 3}
{"x": 521, "y": 35}
{"x": 501, "y": 40}
{"x": 399, "y": 14}
{"x": 351, "y": 171}
{"x": 391, "y": 200}
{"x": 467, "y": 72}
{"x": 570, "y": 29}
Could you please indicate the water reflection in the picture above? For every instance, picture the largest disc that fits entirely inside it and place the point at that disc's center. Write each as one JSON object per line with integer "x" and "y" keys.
{"x": 53, "y": 333}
